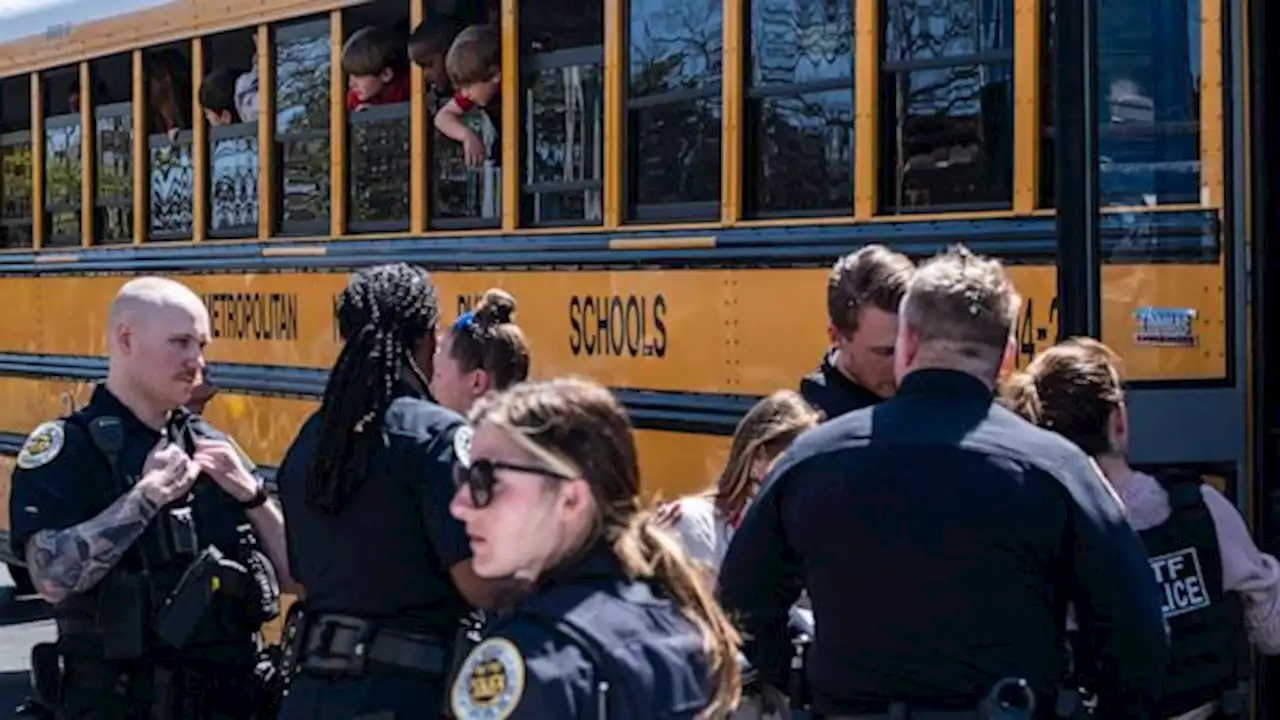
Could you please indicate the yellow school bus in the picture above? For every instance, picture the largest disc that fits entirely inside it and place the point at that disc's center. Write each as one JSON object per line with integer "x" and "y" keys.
{"x": 666, "y": 188}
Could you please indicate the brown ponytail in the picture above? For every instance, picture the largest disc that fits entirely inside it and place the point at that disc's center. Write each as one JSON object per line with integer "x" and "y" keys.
{"x": 649, "y": 552}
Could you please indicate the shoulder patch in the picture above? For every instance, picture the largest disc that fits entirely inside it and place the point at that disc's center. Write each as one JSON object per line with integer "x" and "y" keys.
{"x": 462, "y": 444}
{"x": 42, "y": 445}
{"x": 490, "y": 682}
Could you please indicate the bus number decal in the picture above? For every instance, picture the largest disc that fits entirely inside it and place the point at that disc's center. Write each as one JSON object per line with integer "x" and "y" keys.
{"x": 1033, "y": 332}
{"x": 618, "y": 325}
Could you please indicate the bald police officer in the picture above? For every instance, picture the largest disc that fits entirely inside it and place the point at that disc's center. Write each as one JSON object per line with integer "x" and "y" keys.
{"x": 124, "y": 542}
{"x": 941, "y": 538}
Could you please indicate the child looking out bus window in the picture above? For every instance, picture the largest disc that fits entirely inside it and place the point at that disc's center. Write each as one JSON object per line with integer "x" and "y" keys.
{"x": 474, "y": 65}
{"x": 377, "y": 73}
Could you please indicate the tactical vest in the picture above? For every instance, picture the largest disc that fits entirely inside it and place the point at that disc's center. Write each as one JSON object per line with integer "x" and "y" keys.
{"x": 605, "y": 622}
{"x": 115, "y": 616}
{"x": 1210, "y": 652}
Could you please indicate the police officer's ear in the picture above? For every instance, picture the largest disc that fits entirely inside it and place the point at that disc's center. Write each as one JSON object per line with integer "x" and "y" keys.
{"x": 575, "y": 496}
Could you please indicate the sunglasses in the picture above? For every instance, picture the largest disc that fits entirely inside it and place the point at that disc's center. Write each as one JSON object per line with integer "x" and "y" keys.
{"x": 481, "y": 477}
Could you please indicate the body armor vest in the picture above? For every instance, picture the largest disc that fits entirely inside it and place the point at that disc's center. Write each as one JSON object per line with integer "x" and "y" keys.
{"x": 1206, "y": 624}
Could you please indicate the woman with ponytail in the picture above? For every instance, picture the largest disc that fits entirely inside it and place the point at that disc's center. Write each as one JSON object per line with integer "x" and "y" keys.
{"x": 618, "y": 622}
{"x": 484, "y": 350}
{"x": 365, "y": 490}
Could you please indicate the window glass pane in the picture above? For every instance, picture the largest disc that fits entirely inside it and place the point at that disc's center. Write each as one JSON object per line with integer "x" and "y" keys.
{"x": 15, "y": 184}
{"x": 937, "y": 29}
{"x": 801, "y": 41}
{"x": 952, "y": 142}
{"x": 564, "y": 145}
{"x": 676, "y": 153}
{"x": 302, "y": 125}
{"x": 233, "y": 181}
{"x": 172, "y": 187}
{"x": 62, "y": 180}
{"x": 115, "y": 174}
{"x": 803, "y": 152}
{"x": 379, "y": 178}
{"x": 674, "y": 44}
{"x": 462, "y": 195}
{"x": 1149, "y": 101}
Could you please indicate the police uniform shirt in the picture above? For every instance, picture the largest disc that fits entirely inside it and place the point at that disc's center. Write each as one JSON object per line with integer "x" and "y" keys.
{"x": 62, "y": 479}
{"x": 387, "y": 553}
{"x": 940, "y": 538}
{"x": 547, "y": 656}
{"x": 829, "y": 390}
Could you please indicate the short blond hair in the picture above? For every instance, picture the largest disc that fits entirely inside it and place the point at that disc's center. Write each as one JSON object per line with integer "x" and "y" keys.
{"x": 964, "y": 301}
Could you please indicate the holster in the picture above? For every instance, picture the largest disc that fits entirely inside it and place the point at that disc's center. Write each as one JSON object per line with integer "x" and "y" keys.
{"x": 210, "y": 576}
{"x": 293, "y": 638}
{"x": 122, "y": 620}
{"x": 46, "y": 675}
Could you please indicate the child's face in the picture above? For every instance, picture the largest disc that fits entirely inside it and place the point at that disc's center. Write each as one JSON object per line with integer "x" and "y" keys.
{"x": 433, "y": 70}
{"x": 483, "y": 93}
{"x": 367, "y": 87}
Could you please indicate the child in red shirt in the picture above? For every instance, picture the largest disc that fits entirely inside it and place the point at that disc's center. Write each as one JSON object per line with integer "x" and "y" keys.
{"x": 377, "y": 73}
{"x": 474, "y": 65}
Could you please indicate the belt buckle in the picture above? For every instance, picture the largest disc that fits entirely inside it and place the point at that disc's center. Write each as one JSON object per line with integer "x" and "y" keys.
{"x": 319, "y": 656}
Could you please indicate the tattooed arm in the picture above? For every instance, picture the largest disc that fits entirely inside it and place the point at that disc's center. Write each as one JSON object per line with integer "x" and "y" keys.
{"x": 67, "y": 562}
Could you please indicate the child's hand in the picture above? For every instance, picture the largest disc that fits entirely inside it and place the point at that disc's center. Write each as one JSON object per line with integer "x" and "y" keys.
{"x": 473, "y": 150}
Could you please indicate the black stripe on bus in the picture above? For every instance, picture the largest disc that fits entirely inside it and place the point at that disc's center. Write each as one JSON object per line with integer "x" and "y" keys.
{"x": 1189, "y": 236}
{"x": 700, "y": 413}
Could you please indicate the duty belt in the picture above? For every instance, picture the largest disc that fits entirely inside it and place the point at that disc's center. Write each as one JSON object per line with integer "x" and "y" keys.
{"x": 349, "y": 645}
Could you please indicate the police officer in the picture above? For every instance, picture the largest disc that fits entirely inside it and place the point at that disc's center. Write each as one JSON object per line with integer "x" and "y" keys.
{"x": 863, "y": 292}
{"x": 618, "y": 624}
{"x": 124, "y": 542}
{"x": 941, "y": 537}
{"x": 365, "y": 489}
{"x": 1210, "y": 573}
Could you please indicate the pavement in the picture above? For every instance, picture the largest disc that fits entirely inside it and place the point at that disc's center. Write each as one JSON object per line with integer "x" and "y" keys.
{"x": 24, "y": 622}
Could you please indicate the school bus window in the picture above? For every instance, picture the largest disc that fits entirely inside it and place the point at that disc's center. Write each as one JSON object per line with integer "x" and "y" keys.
{"x": 799, "y": 118}
{"x": 113, "y": 148}
{"x": 376, "y": 63}
{"x": 15, "y": 163}
{"x": 1149, "y": 70}
{"x": 562, "y": 80}
{"x": 302, "y": 63}
{"x": 62, "y": 196}
{"x": 229, "y": 99}
{"x": 674, "y": 109}
{"x": 946, "y": 104}
{"x": 168, "y": 113}
{"x": 466, "y": 146}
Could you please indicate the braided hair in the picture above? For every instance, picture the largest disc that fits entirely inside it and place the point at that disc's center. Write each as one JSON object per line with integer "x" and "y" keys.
{"x": 384, "y": 313}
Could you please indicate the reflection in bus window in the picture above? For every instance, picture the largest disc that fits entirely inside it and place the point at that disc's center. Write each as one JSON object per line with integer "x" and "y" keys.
{"x": 15, "y": 163}
{"x": 379, "y": 177}
{"x": 114, "y": 146}
{"x": 172, "y": 187}
{"x": 674, "y": 109}
{"x": 947, "y": 105}
{"x": 799, "y": 116}
{"x": 563, "y": 141}
{"x": 461, "y": 196}
{"x": 1149, "y": 71}
{"x": 62, "y": 180}
{"x": 302, "y": 126}
{"x": 233, "y": 180}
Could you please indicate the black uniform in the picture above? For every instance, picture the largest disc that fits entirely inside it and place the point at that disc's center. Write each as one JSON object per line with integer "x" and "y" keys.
{"x": 1210, "y": 656}
{"x": 940, "y": 538}
{"x": 588, "y": 643}
{"x": 116, "y": 664}
{"x": 828, "y": 390}
{"x": 377, "y": 573}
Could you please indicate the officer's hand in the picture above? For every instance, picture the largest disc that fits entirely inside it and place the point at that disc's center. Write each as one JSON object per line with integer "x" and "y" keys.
{"x": 222, "y": 462}
{"x": 167, "y": 474}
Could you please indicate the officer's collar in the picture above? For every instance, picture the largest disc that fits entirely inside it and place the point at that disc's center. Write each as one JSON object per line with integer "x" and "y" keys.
{"x": 836, "y": 375}
{"x": 104, "y": 402}
{"x": 940, "y": 381}
{"x": 597, "y": 562}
